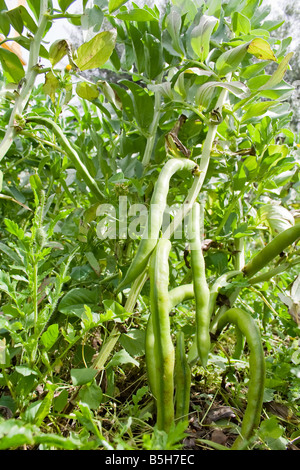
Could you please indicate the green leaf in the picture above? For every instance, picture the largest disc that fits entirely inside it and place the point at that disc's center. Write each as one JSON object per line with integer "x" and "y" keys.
{"x": 257, "y": 109}
{"x": 97, "y": 51}
{"x": 58, "y": 50}
{"x": 13, "y": 228}
{"x": 27, "y": 20}
{"x": 133, "y": 341}
{"x": 137, "y": 14}
{"x": 51, "y": 85}
{"x": 15, "y": 19}
{"x": 34, "y": 6}
{"x": 241, "y": 24}
{"x": 200, "y": 36}
{"x": 86, "y": 91}
{"x": 276, "y": 218}
{"x": 122, "y": 357}
{"x": 138, "y": 47}
{"x": 143, "y": 104}
{"x": 64, "y": 4}
{"x": 203, "y": 95}
{"x": 261, "y": 49}
{"x": 4, "y": 23}
{"x": 91, "y": 395}
{"x": 278, "y": 75}
{"x": 231, "y": 59}
{"x": 173, "y": 25}
{"x": 49, "y": 337}
{"x": 12, "y": 66}
{"x": 82, "y": 376}
{"x": 154, "y": 56}
{"x": 75, "y": 300}
{"x": 113, "y": 5}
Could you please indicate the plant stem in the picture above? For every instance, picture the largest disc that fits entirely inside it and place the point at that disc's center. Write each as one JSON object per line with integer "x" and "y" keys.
{"x": 152, "y": 131}
{"x": 199, "y": 180}
{"x": 32, "y": 72}
{"x": 136, "y": 290}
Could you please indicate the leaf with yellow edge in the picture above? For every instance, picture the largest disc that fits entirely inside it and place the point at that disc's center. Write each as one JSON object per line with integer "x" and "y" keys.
{"x": 261, "y": 49}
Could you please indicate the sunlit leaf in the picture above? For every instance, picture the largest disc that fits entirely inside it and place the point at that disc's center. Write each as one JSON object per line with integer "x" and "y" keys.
{"x": 97, "y": 51}
{"x": 278, "y": 75}
{"x": 276, "y": 217}
{"x": 86, "y": 91}
{"x": 200, "y": 36}
{"x": 64, "y": 4}
{"x": 51, "y": 85}
{"x": 261, "y": 49}
{"x": 58, "y": 50}
{"x": 12, "y": 66}
{"x": 231, "y": 59}
{"x": 137, "y": 14}
{"x": 115, "y": 4}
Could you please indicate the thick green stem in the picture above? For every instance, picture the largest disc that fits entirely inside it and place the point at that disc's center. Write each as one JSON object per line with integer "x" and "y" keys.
{"x": 153, "y": 128}
{"x": 28, "y": 82}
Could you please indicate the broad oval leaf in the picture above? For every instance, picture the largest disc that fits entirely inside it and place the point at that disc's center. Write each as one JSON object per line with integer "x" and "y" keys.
{"x": 231, "y": 59}
{"x": 82, "y": 376}
{"x": 86, "y": 91}
{"x": 97, "y": 51}
{"x": 261, "y": 49}
{"x": 12, "y": 66}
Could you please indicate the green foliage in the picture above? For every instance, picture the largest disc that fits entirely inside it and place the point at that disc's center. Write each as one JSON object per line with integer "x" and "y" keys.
{"x": 200, "y": 80}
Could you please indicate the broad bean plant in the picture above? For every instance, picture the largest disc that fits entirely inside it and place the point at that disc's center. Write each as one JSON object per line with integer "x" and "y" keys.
{"x": 178, "y": 113}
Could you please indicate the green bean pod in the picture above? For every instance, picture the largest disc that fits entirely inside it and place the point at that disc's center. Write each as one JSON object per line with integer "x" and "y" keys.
{"x": 201, "y": 288}
{"x": 155, "y": 218}
{"x": 163, "y": 381}
{"x": 70, "y": 151}
{"x": 182, "y": 380}
{"x": 247, "y": 326}
{"x": 180, "y": 294}
{"x": 150, "y": 357}
{"x": 271, "y": 250}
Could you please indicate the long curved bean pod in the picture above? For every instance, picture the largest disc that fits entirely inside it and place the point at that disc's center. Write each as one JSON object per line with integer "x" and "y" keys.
{"x": 181, "y": 294}
{"x": 182, "y": 380}
{"x": 246, "y": 324}
{"x": 201, "y": 288}
{"x": 71, "y": 152}
{"x": 163, "y": 347}
{"x": 155, "y": 218}
{"x": 271, "y": 250}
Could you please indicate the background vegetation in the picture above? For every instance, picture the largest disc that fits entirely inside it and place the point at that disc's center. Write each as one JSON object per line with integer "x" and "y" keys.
{"x": 72, "y": 350}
